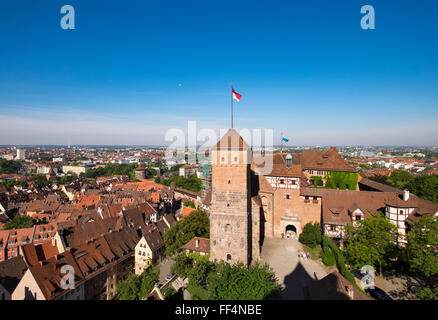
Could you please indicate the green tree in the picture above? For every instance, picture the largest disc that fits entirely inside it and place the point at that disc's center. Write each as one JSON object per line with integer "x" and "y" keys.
{"x": 241, "y": 282}
{"x": 40, "y": 181}
{"x": 19, "y": 222}
{"x": 182, "y": 265}
{"x": 371, "y": 242}
{"x": 190, "y": 204}
{"x": 422, "y": 246}
{"x": 136, "y": 287}
{"x": 400, "y": 179}
{"x": 428, "y": 293}
{"x": 191, "y": 183}
{"x": 196, "y": 224}
{"x": 311, "y": 235}
{"x": 425, "y": 187}
{"x": 112, "y": 169}
{"x": 10, "y": 166}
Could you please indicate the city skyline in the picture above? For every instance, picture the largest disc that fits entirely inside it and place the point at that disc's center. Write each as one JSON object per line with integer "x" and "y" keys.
{"x": 127, "y": 74}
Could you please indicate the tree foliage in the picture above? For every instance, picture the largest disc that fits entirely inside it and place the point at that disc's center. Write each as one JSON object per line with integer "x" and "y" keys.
{"x": 10, "y": 166}
{"x": 136, "y": 287}
{"x": 425, "y": 187}
{"x": 19, "y": 222}
{"x": 112, "y": 169}
{"x": 222, "y": 281}
{"x": 190, "y": 204}
{"x": 40, "y": 181}
{"x": 311, "y": 235}
{"x": 196, "y": 224}
{"x": 400, "y": 179}
{"x": 240, "y": 282}
{"x": 9, "y": 184}
{"x": 191, "y": 183}
{"x": 371, "y": 241}
{"x": 422, "y": 246}
{"x": 428, "y": 293}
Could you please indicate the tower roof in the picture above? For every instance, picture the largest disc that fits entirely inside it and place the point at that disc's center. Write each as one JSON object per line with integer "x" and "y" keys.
{"x": 231, "y": 141}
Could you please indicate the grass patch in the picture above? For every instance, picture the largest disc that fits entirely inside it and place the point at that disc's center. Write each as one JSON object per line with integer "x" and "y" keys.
{"x": 315, "y": 253}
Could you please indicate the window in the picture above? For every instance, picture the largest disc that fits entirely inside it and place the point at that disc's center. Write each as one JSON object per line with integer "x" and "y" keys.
{"x": 281, "y": 181}
{"x": 306, "y": 197}
{"x": 294, "y": 182}
{"x": 228, "y": 228}
{"x": 235, "y": 159}
{"x": 229, "y": 181}
{"x": 315, "y": 198}
{"x": 401, "y": 211}
{"x": 287, "y": 196}
{"x": 222, "y": 159}
{"x": 228, "y": 257}
{"x": 358, "y": 217}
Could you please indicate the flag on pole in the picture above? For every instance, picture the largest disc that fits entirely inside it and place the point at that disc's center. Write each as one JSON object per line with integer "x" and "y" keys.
{"x": 236, "y": 96}
{"x": 284, "y": 139}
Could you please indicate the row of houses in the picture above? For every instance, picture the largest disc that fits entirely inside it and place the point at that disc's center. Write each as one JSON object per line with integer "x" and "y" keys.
{"x": 85, "y": 259}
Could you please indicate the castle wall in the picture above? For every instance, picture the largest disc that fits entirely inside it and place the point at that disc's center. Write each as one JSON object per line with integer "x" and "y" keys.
{"x": 303, "y": 211}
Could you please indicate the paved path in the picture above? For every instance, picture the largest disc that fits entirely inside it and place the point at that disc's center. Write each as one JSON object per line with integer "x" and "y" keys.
{"x": 292, "y": 272}
{"x": 164, "y": 269}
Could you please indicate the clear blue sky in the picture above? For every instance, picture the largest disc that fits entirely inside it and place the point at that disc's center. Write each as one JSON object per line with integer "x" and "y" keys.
{"x": 132, "y": 69}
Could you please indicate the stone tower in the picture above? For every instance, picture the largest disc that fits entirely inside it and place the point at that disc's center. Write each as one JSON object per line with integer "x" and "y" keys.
{"x": 230, "y": 219}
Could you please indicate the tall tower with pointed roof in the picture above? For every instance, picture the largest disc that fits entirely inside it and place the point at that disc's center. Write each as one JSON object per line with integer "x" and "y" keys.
{"x": 230, "y": 219}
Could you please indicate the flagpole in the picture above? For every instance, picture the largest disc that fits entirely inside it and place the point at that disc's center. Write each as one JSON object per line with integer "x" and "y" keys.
{"x": 281, "y": 148}
{"x": 232, "y": 124}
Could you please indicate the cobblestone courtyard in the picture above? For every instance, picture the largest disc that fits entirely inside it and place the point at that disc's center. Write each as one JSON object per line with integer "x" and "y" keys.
{"x": 293, "y": 273}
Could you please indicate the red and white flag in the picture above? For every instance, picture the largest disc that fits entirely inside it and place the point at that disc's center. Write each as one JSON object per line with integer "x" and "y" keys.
{"x": 236, "y": 96}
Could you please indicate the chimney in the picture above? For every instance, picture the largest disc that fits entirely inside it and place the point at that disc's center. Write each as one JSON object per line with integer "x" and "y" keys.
{"x": 197, "y": 243}
{"x": 350, "y": 292}
{"x": 406, "y": 195}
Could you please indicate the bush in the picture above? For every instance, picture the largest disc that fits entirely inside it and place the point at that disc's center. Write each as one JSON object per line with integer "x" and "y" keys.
{"x": 329, "y": 245}
{"x": 311, "y": 235}
{"x": 328, "y": 258}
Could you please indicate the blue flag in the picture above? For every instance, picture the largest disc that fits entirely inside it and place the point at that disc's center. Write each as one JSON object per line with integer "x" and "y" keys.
{"x": 284, "y": 139}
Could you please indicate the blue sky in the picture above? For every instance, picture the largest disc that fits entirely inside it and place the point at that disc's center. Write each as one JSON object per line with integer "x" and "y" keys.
{"x": 132, "y": 69}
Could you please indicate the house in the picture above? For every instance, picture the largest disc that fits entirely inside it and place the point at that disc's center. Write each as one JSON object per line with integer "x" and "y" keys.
{"x": 11, "y": 272}
{"x": 46, "y": 280}
{"x": 12, "y": 240}
{"x": 96, "y": 265}
{"x": 150, "y": 249}
{"x": 188, "y": 170}
{"x": 197, "y": 244}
